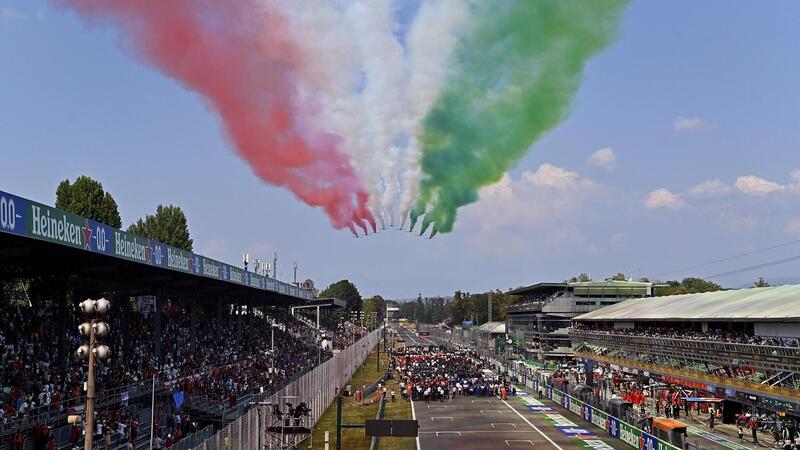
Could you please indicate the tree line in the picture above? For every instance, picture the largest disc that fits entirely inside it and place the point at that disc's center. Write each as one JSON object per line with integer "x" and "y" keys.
{"x": 87, "y": 198}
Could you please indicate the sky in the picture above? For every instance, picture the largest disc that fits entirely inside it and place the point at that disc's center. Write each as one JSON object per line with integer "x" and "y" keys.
{"x": 681, "y": 148}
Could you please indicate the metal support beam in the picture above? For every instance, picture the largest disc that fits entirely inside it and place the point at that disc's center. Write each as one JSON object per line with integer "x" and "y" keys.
{"x": 157, "y": 318}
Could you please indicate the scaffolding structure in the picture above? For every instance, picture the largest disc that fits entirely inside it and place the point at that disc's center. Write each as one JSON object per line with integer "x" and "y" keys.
{"x": 289, "y": 426}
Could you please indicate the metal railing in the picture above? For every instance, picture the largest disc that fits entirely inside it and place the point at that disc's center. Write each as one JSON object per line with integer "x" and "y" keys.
{"x": 193, "y": 440}
{"x": 765, "y": 357}
{"x": 376, "y": 440}
{"x": 754, "y": 387}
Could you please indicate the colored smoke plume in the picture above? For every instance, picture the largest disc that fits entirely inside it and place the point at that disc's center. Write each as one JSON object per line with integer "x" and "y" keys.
{"x": 235, "y": 55}
{"x": 516, "y": 73}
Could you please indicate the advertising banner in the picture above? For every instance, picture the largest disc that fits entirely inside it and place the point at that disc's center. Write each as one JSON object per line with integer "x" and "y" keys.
{"x": 34, "y": 220}
{"x": 630, "y": 435}
{"x": 613, "y": 426}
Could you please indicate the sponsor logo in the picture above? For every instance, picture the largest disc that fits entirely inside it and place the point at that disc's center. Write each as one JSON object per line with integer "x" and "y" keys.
{"x": 210, "y": 268}
{"x": 58, "y": 228}
{"x": 597, "y": 444}
{"x": 129, "y": 247}
{"x": 177, "y": 260}
{"x": 629, "y": 436}
{"x": 599, "y": 420}
{"x": 236, "y": 275}
{"x": 540, "y": 408}
{"x": 613, "y": 427}
{"x": 561, "y": 421}
{"x": 576, "y": 407}
{"x": 8, "y": 214}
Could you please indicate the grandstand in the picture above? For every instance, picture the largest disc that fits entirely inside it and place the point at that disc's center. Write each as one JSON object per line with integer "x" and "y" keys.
{"x": 740, "y": 346}
{"x": 193, "y": 340}
{"x": 544, "y": 314}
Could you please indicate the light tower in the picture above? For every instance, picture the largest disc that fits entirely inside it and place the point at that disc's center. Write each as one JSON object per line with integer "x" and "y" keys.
{"x": 94, "y": 329}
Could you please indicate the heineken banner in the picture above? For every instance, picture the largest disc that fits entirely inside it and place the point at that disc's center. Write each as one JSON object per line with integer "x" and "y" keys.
{"x": 34, "y": 220}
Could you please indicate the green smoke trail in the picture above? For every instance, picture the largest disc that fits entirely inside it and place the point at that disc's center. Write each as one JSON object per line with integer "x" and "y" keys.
{"x": 516, "y": 73}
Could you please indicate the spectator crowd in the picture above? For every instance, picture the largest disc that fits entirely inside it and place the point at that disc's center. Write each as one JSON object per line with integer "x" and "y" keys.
{"x": 441, "y": 374}
{"x": 226, "y": 357}
{"x": 727, "y": 336}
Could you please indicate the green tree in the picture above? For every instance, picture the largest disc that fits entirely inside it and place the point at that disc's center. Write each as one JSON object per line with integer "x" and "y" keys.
{"x": 689, "y": 285}
{"x": 580, "y": 278}
{"x": 761, "y": 282}
{"x": 167, "y": 226}
{"x": 376, "y": 305}
{"x": 86, "y": 197}
{"x": 619, "y": 277}
{"x": 344, "y": 290}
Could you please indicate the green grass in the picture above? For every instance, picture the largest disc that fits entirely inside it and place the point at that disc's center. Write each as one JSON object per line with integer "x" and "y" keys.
{"x": 354, "y": 439}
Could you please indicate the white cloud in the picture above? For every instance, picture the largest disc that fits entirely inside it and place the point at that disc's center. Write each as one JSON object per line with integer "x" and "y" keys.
{"x": 793, "y": 226}
{"x": 794, "y": 183}
{"x": 753, "y": 185}
{"x": 663, "y": 198}
{"x": 688, "y": 123}
{"x": 710, "y": 188}
{"x": 536, "y": 199}
{"x": 548, "y": 175}
{"x": 604, "y": 158}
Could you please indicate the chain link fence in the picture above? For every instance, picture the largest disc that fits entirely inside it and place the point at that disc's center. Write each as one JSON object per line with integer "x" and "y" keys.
{"x": 317, "y": 389}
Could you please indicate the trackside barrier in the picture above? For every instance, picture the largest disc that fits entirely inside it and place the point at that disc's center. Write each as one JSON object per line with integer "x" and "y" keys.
{"x": 376, "y": 440}
{"x": 317, "y": 389}
{"x": 615, "y": 427}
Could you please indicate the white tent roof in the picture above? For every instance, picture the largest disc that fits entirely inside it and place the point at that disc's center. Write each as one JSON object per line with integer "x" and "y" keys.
{"x": 768, "y": 304}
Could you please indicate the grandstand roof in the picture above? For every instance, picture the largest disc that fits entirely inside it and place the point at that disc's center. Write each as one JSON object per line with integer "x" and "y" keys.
{"x": 538, "y": 288}
{"x": 493, "y": 327}
{"x": 768, "y": 304}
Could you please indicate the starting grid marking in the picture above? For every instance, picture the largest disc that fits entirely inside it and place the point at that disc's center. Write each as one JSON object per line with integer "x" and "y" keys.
{"x": 448, "y": 432}
{"x": 441, "y": 418}
{"x": 491, "y": 411}
{"x": 504, "y": 424}
{"x": 437, "y": 406}
{"x": 508, "y": 442}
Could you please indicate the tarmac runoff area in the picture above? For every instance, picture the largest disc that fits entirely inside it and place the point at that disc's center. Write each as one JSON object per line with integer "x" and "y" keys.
{"x": 521, "y": 422}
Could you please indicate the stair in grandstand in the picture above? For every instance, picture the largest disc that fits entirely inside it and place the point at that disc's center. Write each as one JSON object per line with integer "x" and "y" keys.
{"x": 785, "y": 379}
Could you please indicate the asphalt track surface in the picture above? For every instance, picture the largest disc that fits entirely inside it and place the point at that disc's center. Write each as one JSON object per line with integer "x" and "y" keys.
{"x": 522, "y": 422}
{"x": 469, "y": 423}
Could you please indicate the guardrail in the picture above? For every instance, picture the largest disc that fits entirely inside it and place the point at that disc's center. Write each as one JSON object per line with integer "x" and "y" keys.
{"x": 376, "y": 440}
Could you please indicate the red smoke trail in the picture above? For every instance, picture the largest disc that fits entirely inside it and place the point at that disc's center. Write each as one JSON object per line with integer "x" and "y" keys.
{"x": 235, "y": 55}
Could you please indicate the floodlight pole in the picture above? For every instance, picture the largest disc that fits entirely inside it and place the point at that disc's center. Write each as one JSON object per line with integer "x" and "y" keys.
{"x": 89, "y": 437}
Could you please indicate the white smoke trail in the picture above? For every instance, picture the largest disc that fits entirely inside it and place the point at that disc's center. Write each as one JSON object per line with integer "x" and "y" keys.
{"x": 329, "y": 82}
{"x": 384, "y": 68}
{"x": 430, "y": 43}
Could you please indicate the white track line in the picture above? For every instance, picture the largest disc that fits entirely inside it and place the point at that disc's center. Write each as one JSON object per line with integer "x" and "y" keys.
{"x": 414, "y": 417}
{"x": 532, "y": 425}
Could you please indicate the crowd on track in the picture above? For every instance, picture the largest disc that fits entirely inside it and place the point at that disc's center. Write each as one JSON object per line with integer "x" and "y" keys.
{"x": 229, "y": 356}
{"x": 440, "y": 374}
{"x": 709, "y": 335}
